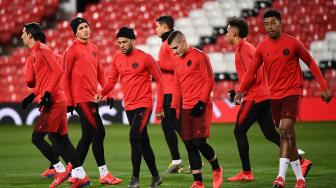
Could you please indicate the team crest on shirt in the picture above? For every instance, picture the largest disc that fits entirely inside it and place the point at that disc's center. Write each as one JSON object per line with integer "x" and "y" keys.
{"x": 189, "y": 63}
{"x": 94, "y": 54}
{"x": 285, "y": 52}
{"x": 135, "y": 65}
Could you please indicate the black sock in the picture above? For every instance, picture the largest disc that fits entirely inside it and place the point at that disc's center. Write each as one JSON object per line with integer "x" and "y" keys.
{"x": 198, "y": 177}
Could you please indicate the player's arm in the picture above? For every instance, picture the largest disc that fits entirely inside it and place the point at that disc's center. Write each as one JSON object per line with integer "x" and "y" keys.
{"x": 29, "y": 73}
{"x": 305, "y": 56}
{"x": 156, "y": 73}
{"x": 177, "y": 93}
{"x": 207, "y": 75}
{"x": 54, "y": 68}
{"x": 249, "y": 75}
{"x": 112, "y": 80}
{"x": 100, "y": 73}
{"x": 246, "y": 59}
{"x": 69, "y": 59}
{"x": 167, "y": 66}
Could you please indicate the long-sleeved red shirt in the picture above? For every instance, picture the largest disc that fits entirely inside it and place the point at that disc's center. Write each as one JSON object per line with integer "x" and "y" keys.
{"x": 83, "y": 71}
{"x": 281, "y": 63}
{"x": 194, "y": 79}
{"x": 166, "y": 64}
{"x": 135, "y": 71}
{"x": 44, "y": 72}
{"x": 258, "y": 90}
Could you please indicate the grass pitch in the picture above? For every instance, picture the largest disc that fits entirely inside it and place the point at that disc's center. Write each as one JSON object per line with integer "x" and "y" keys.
{"x": 21, "y": 163}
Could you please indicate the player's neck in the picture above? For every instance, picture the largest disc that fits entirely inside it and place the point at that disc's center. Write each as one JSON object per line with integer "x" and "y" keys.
{"x": 83, "y": 40}
{"x": 31, "y": 44}
{"x": 237, "y": 40}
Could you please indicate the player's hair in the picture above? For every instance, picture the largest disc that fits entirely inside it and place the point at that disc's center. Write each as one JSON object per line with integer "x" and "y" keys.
{"x": 241, "y": 25}
{"x": 166, "y": 19}
{"x": 174, "y": 36}
{"x": 272, "y": 13}
{"x": 35, "y": 30}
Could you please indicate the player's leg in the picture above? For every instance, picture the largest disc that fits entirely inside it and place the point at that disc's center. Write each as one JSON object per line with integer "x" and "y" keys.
{"x": 288, "y": 151}
{"x": 266, "y": 122}
{"x": 201, "y": 131}
{"x": 168, "y": 127}
{"x": 97, "y": 130}
{"x": 86, "y": 136}
{"x": 136, "y": 151}
{"x": 193, "y": 153}
{"x": 57, "y": 133}
{"x": 247, "y": 115}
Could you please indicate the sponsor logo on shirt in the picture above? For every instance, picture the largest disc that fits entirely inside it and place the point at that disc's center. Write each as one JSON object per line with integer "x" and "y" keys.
{"x": 135, "y": 65}
{"x": 285, "y": 52}
{"x": 189, "y": 63}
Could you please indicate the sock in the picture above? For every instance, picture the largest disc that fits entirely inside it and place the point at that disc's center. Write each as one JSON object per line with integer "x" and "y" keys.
{"x": 59, "y": 167}
{"x": 103, "y": 171}
{"x": 297, "y": 169}
{"x": 198, "y": 177}
{"x": 79, "y": 172}
{"x": 283, "y": 166}
{"x": 177, "y": 162}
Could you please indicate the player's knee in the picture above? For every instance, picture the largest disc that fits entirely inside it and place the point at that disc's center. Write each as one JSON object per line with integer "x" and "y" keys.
{"x": 37, "y": 138}
{"x": 100, "y": 134}
{"x": 189, "y": 145}
{"x": 199, "y": 142}
{"x": 238, "y": 131}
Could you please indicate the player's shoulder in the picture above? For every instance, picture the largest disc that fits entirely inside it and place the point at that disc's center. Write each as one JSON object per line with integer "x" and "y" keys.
{"x": 198, "y": 53}
{"x": 72, "y": 47}
{"x": 143, "y": 53}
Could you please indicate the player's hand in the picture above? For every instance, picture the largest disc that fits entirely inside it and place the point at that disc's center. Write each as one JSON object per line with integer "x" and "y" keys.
{"x": 326, "y": 96}
{"x": 70, "y": 109}
{"x": 110, "y": 101}
{"x": 27, "y": 100}
{"x": 231, "y": 94}
{"x": 198, "y": 110}
{"x": 159, "y": 115}
{"x": 45, "y": 101}
{"x": 237, "y": 98}
{"x": 98, "y": 98}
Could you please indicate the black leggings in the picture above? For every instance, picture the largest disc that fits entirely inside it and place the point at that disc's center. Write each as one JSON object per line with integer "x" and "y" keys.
{"x": 139, "y": 139}
{"x": 169, "y": 127}
{"x": 93, "y": 132}
{"x": 249, "y": 113}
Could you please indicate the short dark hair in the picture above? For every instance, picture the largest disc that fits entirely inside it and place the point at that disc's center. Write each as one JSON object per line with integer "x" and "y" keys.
{"x": 35, "y": 30}
{"x": 174, "y": 35}
{"x": 241, "y": 25}
{"x": 272, "y": 13}
{"x": 166, "y": 19}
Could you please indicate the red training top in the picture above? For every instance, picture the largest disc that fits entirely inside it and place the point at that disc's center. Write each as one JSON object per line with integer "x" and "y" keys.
{"x": 194, "y": 79}
{"x": 135, "y": 70}
{"x": 281, "y": 63}
{"x": 43, "y": 73}
{"x": 166, "y": 64}
{"x": 82, "y": 72}
{"x": 258, "y": 91}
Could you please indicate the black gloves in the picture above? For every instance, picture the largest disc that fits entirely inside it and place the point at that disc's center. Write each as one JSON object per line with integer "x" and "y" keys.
{"x": 27, "y": 100}
{"x": 110, "y": 101}
{"x": 231, "y": 94}
{"x": 70, "y": 109}
{"x": 45, "y": 101}
{"x": 198, "y": 110}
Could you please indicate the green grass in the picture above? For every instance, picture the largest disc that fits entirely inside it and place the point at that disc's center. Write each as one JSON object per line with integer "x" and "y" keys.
{"x": 21, "y": 163}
